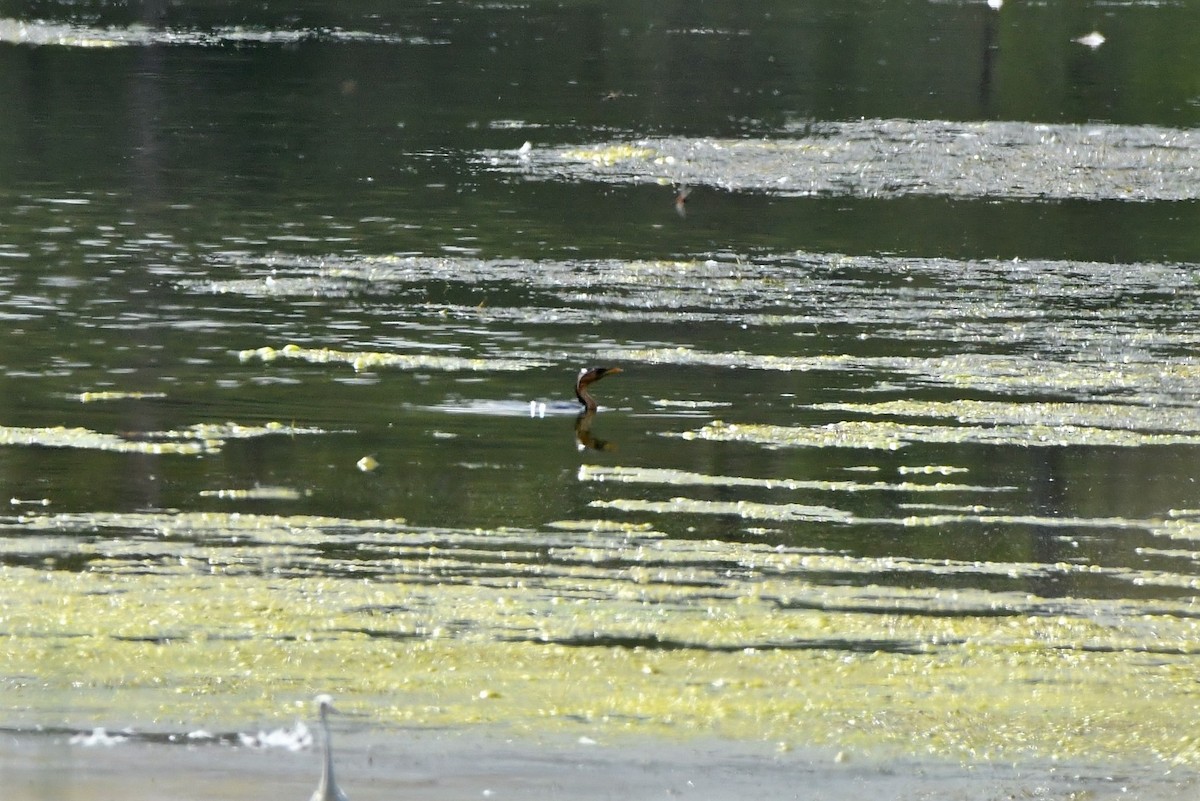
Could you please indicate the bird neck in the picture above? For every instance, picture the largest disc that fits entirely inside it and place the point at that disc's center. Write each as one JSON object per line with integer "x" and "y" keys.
{"x": 588, "y": 403}
{"x": 327, "y": 771}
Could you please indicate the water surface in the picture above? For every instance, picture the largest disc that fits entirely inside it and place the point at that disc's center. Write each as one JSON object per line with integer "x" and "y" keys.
{"x": 902, "y": 459}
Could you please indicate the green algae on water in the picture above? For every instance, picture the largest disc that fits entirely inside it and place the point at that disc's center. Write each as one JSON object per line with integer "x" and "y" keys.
{"x": 598, "y": 630}
{"x": 746, "y": 509}
{"x": 62, "y": 437}
{"x": 198, "y": 439}
{"x": 256, "y": 494}
{"x": 600, "y": 525}
{"x": 666, "y": 476}
{"x": 372, "y": 360}
{"x": 889, "y": 436}
{"x": 610, "y": 154}
{"x": 1006, "y": 340}
{"x": 893, "y": 158}
{"x": 203, "y": 523}
{"x": 1113, "y": 416}
{"x": 930, "y": 469}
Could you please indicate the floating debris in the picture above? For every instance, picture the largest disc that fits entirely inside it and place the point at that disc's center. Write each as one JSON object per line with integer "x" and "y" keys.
{"x": 29, "y": 502}
{"x": 1092, "y": 40}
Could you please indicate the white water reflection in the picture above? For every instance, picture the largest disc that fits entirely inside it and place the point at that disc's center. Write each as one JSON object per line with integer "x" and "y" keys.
{"x": 69, "y": 34}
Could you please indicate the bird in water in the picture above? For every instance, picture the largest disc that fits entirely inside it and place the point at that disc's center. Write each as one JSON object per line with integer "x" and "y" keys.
{"x": 327, "y": 789}
{"x": 583, "y": 423}
{"x": 587, "y": 376}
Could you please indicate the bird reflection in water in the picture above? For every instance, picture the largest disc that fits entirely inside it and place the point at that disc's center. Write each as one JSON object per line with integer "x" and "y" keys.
{"x": 584, "y": 438}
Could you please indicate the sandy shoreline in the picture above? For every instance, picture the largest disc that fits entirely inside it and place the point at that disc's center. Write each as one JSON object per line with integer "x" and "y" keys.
{"x": 438, "y": 766}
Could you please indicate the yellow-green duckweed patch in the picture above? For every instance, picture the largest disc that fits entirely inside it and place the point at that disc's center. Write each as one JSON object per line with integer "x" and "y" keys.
{"x": 889, "y": 436}
{"x": 218, "y": 432}
{"x": 996, "y": 329}
{"x": 374, "y": 360}
{"x": 653, "y": 475}
{"x": 197, "y": 439}
{"x": 746, "y": 509}
{"x": 255, "y": 494}
{"x": 667, "y": 403}
{"x": 930, "y": 469}
{"x": 115, "y": 395}
{"x": 1135, "y": 383}
{"x": 894, "y": 157}
{"x": 610, "y": 154}
{"x": 598, "y": 630}
{"x": 1089, "y": 416}
{"x": 599, "y": 525}
{"x": 62, "y": 437}
{"x": 234, "y": 524}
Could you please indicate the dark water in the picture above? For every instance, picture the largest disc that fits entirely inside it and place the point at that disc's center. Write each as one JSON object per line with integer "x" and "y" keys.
{"x": 181, "y": 187}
